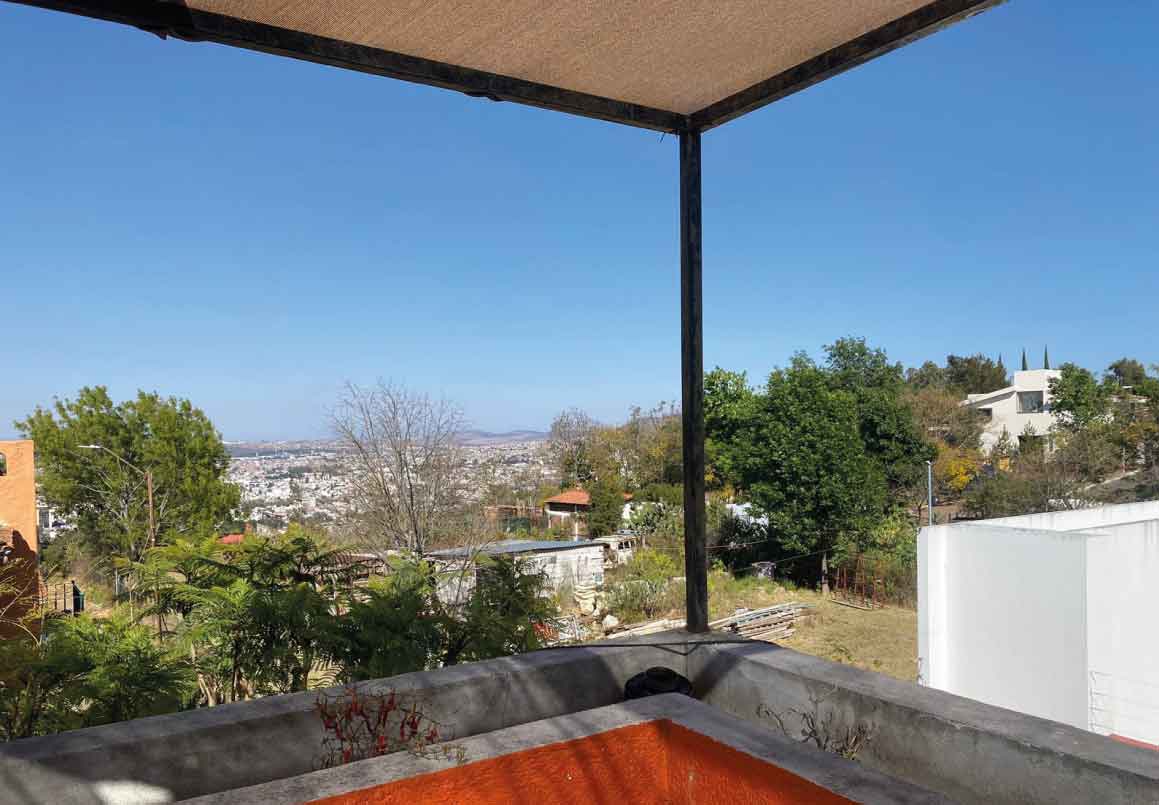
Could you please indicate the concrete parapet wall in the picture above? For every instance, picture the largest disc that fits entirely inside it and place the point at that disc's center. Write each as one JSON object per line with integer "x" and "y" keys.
{"x": 966, "y": 750}
{"x": 172, "y": 757}
{"x": 969, "y": 751}
{"x": 832, "y": 773}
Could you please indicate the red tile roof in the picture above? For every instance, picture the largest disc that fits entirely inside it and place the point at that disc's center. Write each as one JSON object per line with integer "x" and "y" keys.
{"x": 232, "y": 539}
{"x": 576, "y": 497}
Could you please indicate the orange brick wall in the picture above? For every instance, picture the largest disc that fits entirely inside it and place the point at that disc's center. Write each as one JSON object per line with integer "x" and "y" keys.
{"x": 18, "y": 491}
{"x": 18, "y": 514}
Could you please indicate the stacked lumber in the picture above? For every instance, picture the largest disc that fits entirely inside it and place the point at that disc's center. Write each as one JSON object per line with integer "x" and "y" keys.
{"x": 770, "y": 623}
{"x": 651, "y": 627}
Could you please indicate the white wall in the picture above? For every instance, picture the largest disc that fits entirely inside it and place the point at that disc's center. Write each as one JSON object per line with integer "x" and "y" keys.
{"x": 1002, "y": 618}
{"x": 1122, "y": 634}
{"x": 576, "y": 566}
{"x": 1084, "y": 518}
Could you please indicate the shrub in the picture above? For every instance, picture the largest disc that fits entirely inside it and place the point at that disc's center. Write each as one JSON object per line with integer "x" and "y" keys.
{"x": 645, "y": 586}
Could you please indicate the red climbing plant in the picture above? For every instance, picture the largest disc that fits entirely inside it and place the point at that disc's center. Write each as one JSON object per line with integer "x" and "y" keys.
{"x": 360, "y": 724}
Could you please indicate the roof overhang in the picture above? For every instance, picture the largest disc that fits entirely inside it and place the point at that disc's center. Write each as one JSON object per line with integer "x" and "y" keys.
{"x": 656, "y": 64}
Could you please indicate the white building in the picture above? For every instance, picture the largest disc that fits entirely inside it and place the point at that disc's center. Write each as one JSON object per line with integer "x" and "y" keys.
{"x": 574, "y": 564}
{"x": 1048, "y": 614}
{"x": 1025, "y": 404}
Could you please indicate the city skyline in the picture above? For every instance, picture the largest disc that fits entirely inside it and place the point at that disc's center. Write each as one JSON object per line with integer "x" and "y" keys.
{"x": 250, "y": 232}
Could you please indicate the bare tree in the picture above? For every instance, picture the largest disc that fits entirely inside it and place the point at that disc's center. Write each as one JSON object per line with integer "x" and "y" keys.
{"x": 569, "y": 445}
{"x": 409, "y": 463}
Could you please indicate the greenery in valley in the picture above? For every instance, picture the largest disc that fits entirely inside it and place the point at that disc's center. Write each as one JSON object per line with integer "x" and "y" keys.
{"x": 824, "y": 452}
{"x": 825, "y": 458}
{"x": 103, "y": 492}
{"x": 269, "y": 615}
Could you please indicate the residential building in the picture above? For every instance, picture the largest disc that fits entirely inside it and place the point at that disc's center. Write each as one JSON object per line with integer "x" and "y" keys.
{"x": 570, "y": 508}
{"x": 1018, "y": 409}
{"x": 1048, "y": 614}
{"x": 575, "y": 564}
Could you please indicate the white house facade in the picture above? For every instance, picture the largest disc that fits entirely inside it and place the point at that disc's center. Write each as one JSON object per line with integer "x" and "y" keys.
{"x": 1013, "y": 410}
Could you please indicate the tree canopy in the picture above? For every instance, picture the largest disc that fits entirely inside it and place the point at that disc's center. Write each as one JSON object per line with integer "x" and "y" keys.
{"x": 1077, "y": 399}
{"x": 106, "y": 498}
{"x": 795, "y": 449}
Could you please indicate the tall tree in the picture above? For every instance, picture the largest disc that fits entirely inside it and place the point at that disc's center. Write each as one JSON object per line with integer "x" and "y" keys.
{"x": 928, "y": 375}
{"x": 888, "y": 430}
{"x": 103, "y": 491}
{"x": 1025, "y": 365}
{"x": 409, "y": 463}
{"x": 570, "y": 446}
{"x": 1077, "y": 399}
{"x": 730, "y": 406}
{"x": 1045, "y": 358}
{"x": 1127, "y": 372}
{"x": 974, "y": 374}
{"x": 796, "y": 451}
{"x": 607, "y": 506}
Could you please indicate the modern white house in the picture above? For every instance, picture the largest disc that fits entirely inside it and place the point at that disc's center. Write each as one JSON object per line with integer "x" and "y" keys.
{"x": 1049, "y": 614}
{"x": 1022, "y": 405}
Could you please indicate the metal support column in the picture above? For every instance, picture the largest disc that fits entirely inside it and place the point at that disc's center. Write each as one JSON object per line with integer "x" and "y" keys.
{"x": 692, "y": 382}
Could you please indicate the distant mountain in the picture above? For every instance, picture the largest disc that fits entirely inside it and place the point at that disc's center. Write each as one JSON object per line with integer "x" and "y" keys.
{"x": 483, "y": 437}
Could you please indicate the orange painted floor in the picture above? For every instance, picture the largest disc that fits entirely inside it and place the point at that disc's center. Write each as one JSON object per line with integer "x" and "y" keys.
{"x": 656, "y": 763}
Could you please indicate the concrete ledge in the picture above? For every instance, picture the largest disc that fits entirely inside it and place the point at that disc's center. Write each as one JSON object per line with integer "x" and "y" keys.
{"x": 173, "y": 757}
{"x": 964, "y": 749}
{"x": 970, "y": 751}
{"x": 831, "y": 772}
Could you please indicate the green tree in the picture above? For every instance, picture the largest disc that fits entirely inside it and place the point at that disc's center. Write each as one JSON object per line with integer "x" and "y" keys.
{"x": 796, "y": 451}
{"x": 1127, "y": 372}
{"x": 254, "y": 615}
{"x": 607, "y": 506}
{"x": 730, "y": 407}
{"x": 888, "y": 429}
{"x": 974, "y": 374}
{"x": 928, "y": 375}
{"x": 82, "y": 672}
{"x": 1077, "y": 399}
{"x": 393, "y": 626}
{"x": 106, "y": 499}
{"x": 504, "y": 616}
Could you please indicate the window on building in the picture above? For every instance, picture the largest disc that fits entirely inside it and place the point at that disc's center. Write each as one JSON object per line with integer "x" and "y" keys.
{"x": 1031, "y": 402}
{"x": 987, "y": 413}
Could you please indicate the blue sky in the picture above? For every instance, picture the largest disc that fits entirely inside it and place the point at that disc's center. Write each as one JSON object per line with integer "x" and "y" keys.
{"x": 250, "y": 232}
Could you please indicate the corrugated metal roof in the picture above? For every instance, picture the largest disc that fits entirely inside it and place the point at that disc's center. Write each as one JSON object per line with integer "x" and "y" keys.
{"x": 510, "y": 547}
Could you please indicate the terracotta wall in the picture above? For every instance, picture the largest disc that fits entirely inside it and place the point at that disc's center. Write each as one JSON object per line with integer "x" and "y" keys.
{"x": 18, "y": 514}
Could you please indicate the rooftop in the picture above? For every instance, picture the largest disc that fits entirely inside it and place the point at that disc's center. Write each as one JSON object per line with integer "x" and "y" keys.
{"x": 552, "y": 723}
{"x": 509, "y": 547}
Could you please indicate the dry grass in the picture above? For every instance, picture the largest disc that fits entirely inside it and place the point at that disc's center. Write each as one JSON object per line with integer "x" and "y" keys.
{"x": 881, "y": 640}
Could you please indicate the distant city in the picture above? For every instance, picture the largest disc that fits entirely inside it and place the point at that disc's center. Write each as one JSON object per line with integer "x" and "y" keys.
{"x": 309, "y": 480}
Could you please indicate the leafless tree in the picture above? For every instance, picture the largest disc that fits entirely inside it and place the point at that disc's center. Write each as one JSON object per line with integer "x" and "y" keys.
{"x": 569, "y": 445}
{"x": 409, "y": 463}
